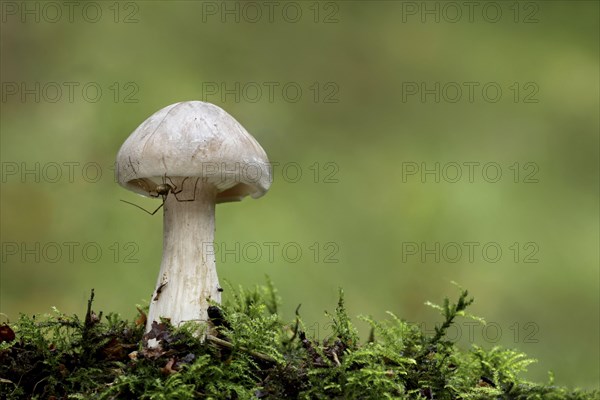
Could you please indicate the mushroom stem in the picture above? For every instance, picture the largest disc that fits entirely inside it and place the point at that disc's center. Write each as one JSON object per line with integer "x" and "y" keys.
{"x": 188, "y": 275}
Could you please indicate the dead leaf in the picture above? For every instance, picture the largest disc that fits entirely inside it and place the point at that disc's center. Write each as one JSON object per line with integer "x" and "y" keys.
{"x": 63, "y": 370}
{"x": 153, "y": 340}
{"x": 6, "y": 334}
{"x": 168, "y": 369}
{"x": 114, "y": 350}
{"x": 141, "y": 320}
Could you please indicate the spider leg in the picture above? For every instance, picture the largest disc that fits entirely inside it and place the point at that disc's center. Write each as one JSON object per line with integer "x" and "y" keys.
{"x": 174, "y": 186}
{"x": 143, "y": 209}
{"x": 170, "y": 180}
{"x": 195, "y": 187}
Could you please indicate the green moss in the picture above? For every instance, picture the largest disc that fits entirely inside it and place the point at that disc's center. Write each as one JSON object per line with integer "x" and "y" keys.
{"x": 251, "y": 353}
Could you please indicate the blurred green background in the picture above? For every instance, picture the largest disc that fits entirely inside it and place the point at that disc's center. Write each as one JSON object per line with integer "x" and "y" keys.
{"x": 351, "y": 132}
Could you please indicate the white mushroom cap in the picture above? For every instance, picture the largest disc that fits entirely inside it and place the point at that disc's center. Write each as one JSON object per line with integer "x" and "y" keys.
{"x": 197, "y": 140}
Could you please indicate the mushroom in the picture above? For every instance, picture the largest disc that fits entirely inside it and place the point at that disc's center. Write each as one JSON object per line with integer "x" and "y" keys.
{"x": 193, "y": 155}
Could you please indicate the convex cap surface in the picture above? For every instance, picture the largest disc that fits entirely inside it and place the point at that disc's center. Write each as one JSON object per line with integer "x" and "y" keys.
{"x": 197, "y": 140}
